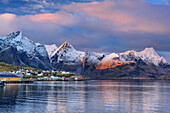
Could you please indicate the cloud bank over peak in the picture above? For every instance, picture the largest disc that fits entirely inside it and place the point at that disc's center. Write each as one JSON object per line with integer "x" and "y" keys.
{"x": 113, "y": 25}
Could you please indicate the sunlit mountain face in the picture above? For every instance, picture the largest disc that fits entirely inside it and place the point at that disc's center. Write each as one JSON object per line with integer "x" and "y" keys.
{"x": 91, "y": 25}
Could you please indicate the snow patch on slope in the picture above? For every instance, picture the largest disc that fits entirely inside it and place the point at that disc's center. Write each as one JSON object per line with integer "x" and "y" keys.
{"x": 51, "y": 49}
{"x": 109, "y": 58}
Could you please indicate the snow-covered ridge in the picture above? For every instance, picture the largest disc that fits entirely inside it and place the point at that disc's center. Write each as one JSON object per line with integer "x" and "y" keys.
{"x": 23, "y": 44}
{"x": 68, "y": 54}
{"x": 110, "y": 57}
{"x": 148, "y": 55}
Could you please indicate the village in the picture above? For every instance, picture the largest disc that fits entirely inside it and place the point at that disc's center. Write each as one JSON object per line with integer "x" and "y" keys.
{"x": 28, "y": 75}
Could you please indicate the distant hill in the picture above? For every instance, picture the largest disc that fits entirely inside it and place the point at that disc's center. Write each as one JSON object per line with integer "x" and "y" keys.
{"x": 8, "y": 67}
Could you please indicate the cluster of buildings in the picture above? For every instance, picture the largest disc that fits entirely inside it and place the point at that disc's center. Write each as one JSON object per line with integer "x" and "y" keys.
{"x": 22, "y": 74}
{"x": 29, "y": 72}
{"x": 59, "y": 78}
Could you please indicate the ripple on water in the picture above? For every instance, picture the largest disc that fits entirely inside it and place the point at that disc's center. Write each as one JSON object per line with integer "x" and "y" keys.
{"x": 86, "y": 97}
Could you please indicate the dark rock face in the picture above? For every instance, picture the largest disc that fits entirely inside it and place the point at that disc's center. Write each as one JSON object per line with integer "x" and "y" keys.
{"x": 126, "y": 71}
{"x": 10, "y": 55}
{"x": 163, "y": 65}
{"x": 18, "y": 50}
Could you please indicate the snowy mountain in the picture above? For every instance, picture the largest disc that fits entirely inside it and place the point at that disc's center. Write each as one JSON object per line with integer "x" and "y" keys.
{"x": 19, "y": 50}
{"x": 148, "y": 55}
{"x": 21, "y": 43}
{"x": 27, "y": 53}
{"x": 66, "y": 56}
{"x": 66, "y": 53}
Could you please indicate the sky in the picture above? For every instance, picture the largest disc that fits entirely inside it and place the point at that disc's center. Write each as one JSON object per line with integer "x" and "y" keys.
{"x": 92, "y": 25}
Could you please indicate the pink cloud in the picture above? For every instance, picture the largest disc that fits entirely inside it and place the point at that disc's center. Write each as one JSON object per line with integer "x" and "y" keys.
{"x": 125, "y": 16}
{"x": 126, "y": 19}
{"x": 61, "y": 18}
{"x": 107, "y": 24}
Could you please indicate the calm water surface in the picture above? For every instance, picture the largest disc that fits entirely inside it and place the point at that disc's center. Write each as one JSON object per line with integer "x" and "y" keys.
{"x": 114, "y": 96}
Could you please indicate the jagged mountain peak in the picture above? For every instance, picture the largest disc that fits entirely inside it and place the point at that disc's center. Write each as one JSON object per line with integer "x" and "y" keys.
{"x": 150, "y": 51}
{"x": 66, "y": 52}
{"x": 151, "y": 56}
{"x": 27, "y": 52}
{"x": 17, "y": 33}
{"x": 65, "y": 45}
{"x": 148, "y": 55}
{"x": 16, "y": 36}
{"x": 23, "y": 44}
{"x": 129, "y": 51}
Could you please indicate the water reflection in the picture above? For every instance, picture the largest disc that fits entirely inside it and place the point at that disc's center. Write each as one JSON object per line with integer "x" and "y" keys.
{"x": 118, "y": 96}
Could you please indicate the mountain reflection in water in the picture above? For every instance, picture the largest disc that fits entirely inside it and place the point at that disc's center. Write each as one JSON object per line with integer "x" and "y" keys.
{"x": 105, "y": 96}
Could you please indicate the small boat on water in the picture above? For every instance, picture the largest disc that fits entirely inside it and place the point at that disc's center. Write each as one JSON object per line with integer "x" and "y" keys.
{"x": 78, "y": 79}
{"x": 66, "y": 79}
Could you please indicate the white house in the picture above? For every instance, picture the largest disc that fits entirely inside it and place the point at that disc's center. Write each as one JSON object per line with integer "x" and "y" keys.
{"x": 28, "y": 73}
{"x": 65, "y": 72}
{"x": 40, "y": 74}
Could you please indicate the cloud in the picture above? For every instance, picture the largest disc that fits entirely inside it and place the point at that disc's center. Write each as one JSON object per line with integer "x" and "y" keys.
{"x": 5, "y": 1}
{"x": 100, "y": 26}
{"x": 61, "y": 18}
{"x": 127, "y": 16}
{"x": 8, "y": 23}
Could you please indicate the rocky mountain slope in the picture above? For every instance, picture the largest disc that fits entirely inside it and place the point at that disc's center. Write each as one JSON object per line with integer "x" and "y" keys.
{"x": 148, "y": 55}
{"x": 19, "y": 50}
{"x": 68, "y": 55}
{"x": 67, "y": 58}
{"x": 146, "y": 63}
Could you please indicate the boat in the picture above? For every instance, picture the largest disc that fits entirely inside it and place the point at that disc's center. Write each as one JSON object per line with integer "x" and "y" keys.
{"x": 78, "y": 79}
{"x": 66, "y": 79}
